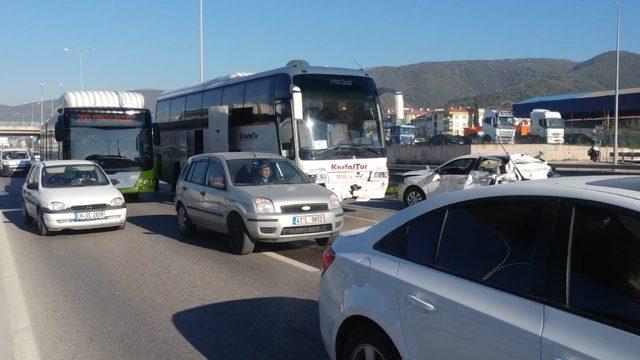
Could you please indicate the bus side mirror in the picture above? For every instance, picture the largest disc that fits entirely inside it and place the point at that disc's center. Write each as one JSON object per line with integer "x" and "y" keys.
{"x": 399, "y": 100}
{"x": 59, "y": 130}
{"x": 296, "y": 95}
{"x": 155, "y": 134}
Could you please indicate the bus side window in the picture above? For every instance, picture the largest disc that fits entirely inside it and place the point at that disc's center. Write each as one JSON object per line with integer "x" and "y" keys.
{"x": 285, "y": 129}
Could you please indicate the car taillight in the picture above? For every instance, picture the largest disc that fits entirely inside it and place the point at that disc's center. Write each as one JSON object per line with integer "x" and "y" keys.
{"x": 328, "y": 255}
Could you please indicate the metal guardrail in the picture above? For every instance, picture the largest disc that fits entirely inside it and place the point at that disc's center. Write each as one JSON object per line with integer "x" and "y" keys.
{"x": 19, "y": 124}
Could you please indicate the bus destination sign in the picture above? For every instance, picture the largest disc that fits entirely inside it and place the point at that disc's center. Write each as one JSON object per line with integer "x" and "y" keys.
{"x": 106, "y": 119}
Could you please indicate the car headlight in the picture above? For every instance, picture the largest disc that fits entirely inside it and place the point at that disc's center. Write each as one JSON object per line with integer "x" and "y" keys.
{"x": 318, "y": 177}
{"x": 264, "y": 205}
{"x": 5, "y": 163}
{"x": 334, "y": 201}
{"x": 118, "y": 201}
{"x": 381, "y": 174}
{"x": 147, "y": 181}
{"x": 56, "y": 205}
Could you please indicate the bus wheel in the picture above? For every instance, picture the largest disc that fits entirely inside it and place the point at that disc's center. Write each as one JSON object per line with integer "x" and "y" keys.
{"x": 185, "y": 225}
{"x": 240, "y": 243}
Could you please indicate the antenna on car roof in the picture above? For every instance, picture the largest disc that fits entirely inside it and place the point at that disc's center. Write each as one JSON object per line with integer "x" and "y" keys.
{"x": 511, "y": 159}
{"x": 357, "y": 63}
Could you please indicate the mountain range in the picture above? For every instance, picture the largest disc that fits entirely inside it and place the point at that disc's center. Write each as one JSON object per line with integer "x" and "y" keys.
{"x": 483, "y": 83}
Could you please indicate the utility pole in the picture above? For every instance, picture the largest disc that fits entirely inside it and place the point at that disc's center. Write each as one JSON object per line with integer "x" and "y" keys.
{"x": 80, "y": 54}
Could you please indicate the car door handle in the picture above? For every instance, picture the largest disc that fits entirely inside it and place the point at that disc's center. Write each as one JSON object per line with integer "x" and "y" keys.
{"x": 421, "y": 303}
{"x": 202, "y": 193}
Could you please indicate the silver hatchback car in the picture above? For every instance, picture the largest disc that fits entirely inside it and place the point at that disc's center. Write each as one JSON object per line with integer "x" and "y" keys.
{"x": 254, "y": 197}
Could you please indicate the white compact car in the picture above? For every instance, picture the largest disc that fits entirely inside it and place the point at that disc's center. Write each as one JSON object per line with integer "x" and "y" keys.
{"x": 545, "y": 269}
{"x": 71, "y": 194}
{"x": 14, "y": 161}
{"x": 470, "y": 171}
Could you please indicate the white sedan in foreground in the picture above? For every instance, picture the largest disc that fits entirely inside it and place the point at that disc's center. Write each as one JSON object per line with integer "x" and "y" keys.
{"x": 536, "y": 270}
{"x": 470, "y": 171}
{"x": 71, "y": 194}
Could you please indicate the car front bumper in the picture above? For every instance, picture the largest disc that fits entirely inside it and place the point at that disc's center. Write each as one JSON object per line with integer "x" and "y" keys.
{"x": 280, "y": 227}
{"x": 10, "y": 170}
{"x": 59, "y": 221}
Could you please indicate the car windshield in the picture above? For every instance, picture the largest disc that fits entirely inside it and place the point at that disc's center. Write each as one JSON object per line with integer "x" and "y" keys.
{"x": 254, "y": 171}
{"x": 14, "y": 155}
{"x": 505, "y": 121}
{"x": 73, "y": 176}
{"x": 555, "y": 123}
{"x": 341, "y": 117}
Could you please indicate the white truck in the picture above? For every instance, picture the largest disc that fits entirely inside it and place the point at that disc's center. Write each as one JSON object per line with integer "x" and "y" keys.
{"x": 547, "y": 126}
{"x": 499, "y": 126}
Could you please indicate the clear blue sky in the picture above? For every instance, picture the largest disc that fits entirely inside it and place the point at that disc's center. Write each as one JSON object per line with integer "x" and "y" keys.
{"x": 154, "y": 43}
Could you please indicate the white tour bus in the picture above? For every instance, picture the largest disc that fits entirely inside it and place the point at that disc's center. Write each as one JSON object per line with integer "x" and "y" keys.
{"x": 335, "y": 136}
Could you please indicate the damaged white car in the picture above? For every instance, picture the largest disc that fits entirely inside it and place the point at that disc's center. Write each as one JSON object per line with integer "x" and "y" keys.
{"x": 470, "y": 171}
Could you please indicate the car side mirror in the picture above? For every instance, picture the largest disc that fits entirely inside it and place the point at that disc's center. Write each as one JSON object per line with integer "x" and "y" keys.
{"x": 114, "y": 182}
{"x": 32, "y": 186}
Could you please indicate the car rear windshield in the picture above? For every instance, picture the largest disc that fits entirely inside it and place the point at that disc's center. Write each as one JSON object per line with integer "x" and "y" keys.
{"x": 14, "y": 155}
{"x": 245, "y": 172}
{"x": 73, "y": 176}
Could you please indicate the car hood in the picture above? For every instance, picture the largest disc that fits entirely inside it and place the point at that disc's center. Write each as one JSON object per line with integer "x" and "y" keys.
{"x": 289, "y": 193}
{"x": 423, "y": 172}
{"x": 74, "y": 196}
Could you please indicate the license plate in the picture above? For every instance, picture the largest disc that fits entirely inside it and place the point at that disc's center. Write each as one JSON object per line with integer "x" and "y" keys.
{"x": 91, "y": 215}
{"x": 310, "y": 219}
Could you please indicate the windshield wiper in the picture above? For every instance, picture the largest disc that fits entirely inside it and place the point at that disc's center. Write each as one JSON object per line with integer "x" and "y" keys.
{"x": 346, "y": 147}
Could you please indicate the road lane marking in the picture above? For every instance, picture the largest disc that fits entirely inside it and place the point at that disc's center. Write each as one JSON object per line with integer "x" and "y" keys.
{"x": 22, "y": 339}
{"x": 362, "y": 219}
{"x": 290, "y": 261}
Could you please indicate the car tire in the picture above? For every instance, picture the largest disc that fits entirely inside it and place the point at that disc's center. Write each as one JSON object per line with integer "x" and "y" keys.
{"x": 369, "y": 338}
{"x": 413, "y": 195}
{"x": 185, "y": 225}
{"x": 240, "y": 242}
{"x": 28, "y": 219}
{"x": 42, "y": 227}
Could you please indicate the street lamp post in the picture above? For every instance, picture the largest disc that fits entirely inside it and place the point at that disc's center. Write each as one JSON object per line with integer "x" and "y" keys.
{"x": 80, "y": 54}
{"x": 59, "y": 85}
{"x": 201, "y": 45}
{"x": 41, "y": 103}
{"x": 615, "y": 121}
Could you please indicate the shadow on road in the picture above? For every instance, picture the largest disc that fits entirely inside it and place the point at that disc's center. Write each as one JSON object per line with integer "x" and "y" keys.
{"x": 392, "y": 205}
{"x": 166, "y": 225}
{"x": 11, "y": 200}
{"x": 262, "y": 328}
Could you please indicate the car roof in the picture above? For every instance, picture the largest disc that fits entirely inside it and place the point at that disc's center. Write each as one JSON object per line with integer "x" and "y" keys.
{"x": 619, "y": 190}
{"x": 66, "y": 162}
{"x": 237, "y": 155}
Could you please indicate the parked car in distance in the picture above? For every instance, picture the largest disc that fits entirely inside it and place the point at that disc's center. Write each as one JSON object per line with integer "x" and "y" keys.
{"x": 71, "y": 194}
{"x": 445, "y": 139}
{"x": 470, "y": 171}
{"x": 535, "y": 270}
{"x": 254, "y": 197}
{"x": 35, "y": 155}
{"x": 14, "y": 161}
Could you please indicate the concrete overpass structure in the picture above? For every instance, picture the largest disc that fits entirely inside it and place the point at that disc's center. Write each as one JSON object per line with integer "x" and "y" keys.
{"x": 19, "y": 128}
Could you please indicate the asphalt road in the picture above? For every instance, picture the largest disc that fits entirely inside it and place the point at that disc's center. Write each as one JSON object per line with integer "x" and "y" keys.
{"x": 145, "y": 292}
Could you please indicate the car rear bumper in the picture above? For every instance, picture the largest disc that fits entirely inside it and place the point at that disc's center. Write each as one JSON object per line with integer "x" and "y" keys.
{"x": 280, "y": 227}
{"x": 66, "y": 220}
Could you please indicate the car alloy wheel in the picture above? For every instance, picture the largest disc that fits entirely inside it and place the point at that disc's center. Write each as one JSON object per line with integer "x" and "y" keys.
{"x": 414, "y": 196}
{"x": 366, "y": 352}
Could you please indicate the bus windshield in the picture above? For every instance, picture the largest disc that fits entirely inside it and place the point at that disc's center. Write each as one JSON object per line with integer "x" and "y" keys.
{"x": 114, "y": 149}
{"x": 341, "y": 117}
